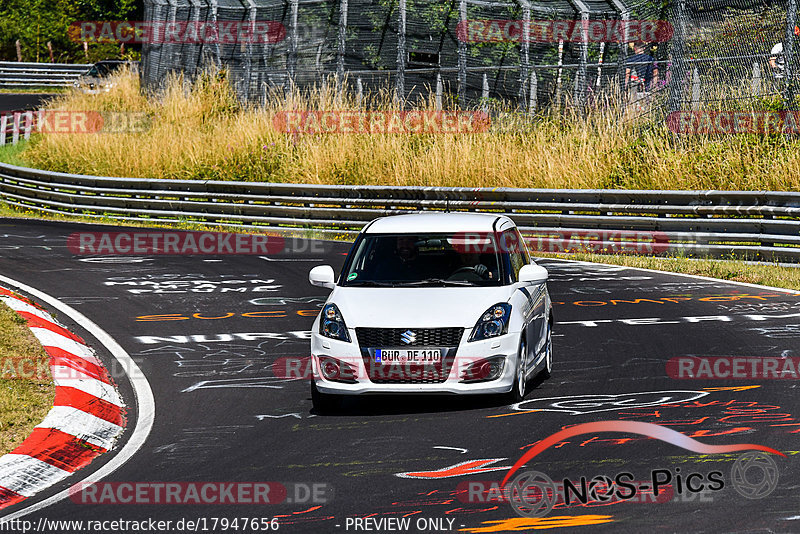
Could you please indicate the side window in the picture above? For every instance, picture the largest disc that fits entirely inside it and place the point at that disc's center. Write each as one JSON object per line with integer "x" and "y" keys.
{"x": 516, "y": 251}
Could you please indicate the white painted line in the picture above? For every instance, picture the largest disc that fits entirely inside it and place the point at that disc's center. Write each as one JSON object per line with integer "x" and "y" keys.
{"x": 791, "y": 292}
{"x": 141, "y": 388}
{"x": 26, "y": 475}
{"x": 82, "y": 425}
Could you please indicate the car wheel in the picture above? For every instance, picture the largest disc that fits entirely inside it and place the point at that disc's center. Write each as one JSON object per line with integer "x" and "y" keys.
{"x": 548, "y": 358}
{"x": 322, "y": 402}
{"x": 520, "y": 379}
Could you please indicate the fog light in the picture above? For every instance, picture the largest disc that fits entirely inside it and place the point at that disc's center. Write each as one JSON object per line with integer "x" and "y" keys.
{"x": 484, "y": 370}
{"x": 336, "y": 370}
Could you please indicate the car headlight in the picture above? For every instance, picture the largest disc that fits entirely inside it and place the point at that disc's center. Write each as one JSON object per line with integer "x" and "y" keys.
{"x": 493, "y": 322}
{"x": 332, "y": 324}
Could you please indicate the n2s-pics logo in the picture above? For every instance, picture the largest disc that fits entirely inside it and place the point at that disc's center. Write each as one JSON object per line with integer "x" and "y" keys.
{"x": 754, "y": 475}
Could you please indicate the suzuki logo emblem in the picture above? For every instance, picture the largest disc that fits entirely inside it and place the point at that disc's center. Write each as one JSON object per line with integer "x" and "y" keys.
{"x": 408, "y": 337}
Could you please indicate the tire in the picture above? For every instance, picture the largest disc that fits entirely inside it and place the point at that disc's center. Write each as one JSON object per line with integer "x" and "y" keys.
{"x": 322, "y": 402}
{"x": 520, "y": 386}
{"x": 547, "y": 370}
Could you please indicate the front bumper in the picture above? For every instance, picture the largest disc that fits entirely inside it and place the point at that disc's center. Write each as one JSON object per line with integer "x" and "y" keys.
{"x": 467, "y": 352}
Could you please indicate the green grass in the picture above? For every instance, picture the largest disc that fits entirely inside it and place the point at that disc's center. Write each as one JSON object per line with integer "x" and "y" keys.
{"x": 24, "y": 402}
{"x": 12, "y": 154}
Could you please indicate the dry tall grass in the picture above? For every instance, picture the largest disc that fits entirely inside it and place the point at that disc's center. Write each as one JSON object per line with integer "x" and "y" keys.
{"x": 201, "y": 132}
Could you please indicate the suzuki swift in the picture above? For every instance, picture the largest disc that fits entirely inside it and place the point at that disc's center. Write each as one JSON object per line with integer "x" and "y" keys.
{"x": 432, "y": 303}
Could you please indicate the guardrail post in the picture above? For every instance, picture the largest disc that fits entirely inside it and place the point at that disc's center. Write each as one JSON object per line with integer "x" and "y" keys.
{"x": 15, "y": 131}
{"x": 28, "y": 124}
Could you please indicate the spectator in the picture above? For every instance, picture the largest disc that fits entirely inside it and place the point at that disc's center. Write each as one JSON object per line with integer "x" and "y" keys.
{"x": 642, "y": 71}
{"x": 777, "y": 61}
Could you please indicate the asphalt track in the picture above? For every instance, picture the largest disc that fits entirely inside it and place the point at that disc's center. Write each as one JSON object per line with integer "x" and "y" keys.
{"x": 23, "y": 101}
{"x": 223, "y": 416}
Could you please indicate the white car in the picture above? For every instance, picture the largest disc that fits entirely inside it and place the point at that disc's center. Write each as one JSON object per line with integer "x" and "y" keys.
{"x": 432, "y": 303}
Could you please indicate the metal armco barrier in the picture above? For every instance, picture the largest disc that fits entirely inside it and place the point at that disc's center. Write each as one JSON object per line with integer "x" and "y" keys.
{"x": 13, "y": 74}
{"x": 757, "y": 225}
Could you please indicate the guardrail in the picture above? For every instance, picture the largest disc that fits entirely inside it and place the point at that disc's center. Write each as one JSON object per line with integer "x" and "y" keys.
{"x": 15, "y": 74}
{"x": 15, "y": 124}
{"x": 758, "y": 225}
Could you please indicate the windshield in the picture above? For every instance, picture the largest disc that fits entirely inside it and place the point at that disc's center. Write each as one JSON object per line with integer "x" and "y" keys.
{"x": 424, "y": 260}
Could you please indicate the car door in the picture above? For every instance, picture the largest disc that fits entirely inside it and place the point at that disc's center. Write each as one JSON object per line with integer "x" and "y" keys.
{"x": 535, "y": 296}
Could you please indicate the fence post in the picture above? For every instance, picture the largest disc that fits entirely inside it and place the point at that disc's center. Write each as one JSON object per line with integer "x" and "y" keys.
{"x": 524, "y": 53}
{"x": 341, "y": 46}
{"x": 19, "y": 50}
{"x": 597, "y": 82}
{"x": 755, "y": 85}
{"x": 680, "y": 67}
{"x": 439, "y": 91}
{"x": 247, "y": 76}
{"x": 788, "y": 54}
{"x": 401, "y": 52}
{"x": 533, "y": 101}
{"x": 3, "y": 129}
{"x": 359, "y": 92}
{"x": 695, "y": 90}
{"x": 215, "y": 31}
{"x": 193, "y": 57}
{"x": 560, "y": 71}
{"x": 291, "y": 60}
{"x": 462, "y": 53}
{"x": 580, "y": 86}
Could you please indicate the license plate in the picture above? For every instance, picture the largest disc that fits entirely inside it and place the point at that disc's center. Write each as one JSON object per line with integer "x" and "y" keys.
{"x": 407, "y": 357}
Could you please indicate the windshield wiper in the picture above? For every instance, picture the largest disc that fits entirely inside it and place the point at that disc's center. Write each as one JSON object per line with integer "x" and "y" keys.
{"x": 371, "y": 283}
{"x": 429, "y": 281}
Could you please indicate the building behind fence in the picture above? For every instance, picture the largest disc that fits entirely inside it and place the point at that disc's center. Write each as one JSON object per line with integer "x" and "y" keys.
{"x": 719, "y": 54}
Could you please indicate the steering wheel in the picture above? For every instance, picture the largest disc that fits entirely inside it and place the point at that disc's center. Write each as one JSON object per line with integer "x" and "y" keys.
{"x": 479, "y": 271}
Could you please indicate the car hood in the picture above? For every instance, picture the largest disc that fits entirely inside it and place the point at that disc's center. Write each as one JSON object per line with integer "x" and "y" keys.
{"x": 425, "y": 307}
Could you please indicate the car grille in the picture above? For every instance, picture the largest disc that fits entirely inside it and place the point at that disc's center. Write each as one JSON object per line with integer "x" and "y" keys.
{"x": 425, "y": 337}
{"x": 444, "y": 338}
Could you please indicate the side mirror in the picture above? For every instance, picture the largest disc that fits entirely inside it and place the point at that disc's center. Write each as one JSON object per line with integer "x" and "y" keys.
{"x": 535, "y": 274}
{"x": 322, "y": 276}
